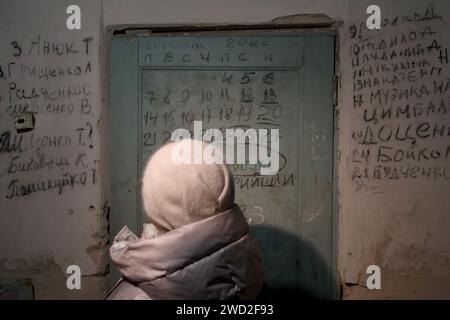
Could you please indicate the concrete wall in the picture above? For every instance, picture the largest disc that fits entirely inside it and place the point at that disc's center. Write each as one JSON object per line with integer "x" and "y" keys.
{"x": 394, "y": 168}
{"x": 52, "y": 212}
{"x": 393, "y": 204}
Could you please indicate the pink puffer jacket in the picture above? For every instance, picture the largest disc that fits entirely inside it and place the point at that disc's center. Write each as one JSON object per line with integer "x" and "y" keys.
{"x": 215, "y": 258}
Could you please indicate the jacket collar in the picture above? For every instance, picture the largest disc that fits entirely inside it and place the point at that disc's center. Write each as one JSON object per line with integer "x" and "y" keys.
{"x": 149, "y": 259}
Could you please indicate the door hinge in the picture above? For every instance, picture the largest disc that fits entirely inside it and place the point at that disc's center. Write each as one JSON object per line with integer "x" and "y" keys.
{"x": 335, "y": 90}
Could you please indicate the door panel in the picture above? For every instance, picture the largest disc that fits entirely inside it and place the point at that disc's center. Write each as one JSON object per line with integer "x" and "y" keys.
{"x": 261, "y": 80}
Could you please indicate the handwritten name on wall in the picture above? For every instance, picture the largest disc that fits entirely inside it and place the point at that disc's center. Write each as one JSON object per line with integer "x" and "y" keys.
{"x": 53, "y": 79}
{"x": 401, "y": 97}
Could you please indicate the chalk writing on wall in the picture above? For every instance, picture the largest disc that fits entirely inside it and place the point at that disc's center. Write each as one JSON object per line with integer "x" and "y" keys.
{"x": 53, "y": 80}
{"x": 401, "y": 98}
{"x": 235, "y": 82}
{"x": 220, "y": 99}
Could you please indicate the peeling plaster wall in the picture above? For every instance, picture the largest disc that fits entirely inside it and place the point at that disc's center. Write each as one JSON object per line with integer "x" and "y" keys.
{"x": 394, "y": 170}
{"x": 395, "y": 217}
{"x": 198, "y": 12}
{"x": 52, "y": 212}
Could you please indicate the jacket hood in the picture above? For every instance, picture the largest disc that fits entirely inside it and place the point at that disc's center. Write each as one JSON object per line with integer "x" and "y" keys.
{"x": 215, "y": 258}
{"x": 177, "y": 193}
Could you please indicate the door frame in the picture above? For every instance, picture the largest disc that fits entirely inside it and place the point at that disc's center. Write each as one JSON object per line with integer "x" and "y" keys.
{"x": 133, "y": 32}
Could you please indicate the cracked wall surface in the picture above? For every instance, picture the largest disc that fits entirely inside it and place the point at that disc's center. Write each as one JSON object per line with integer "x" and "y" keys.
{"x": 394, "y": 186}
{"x": 52, "y": 211}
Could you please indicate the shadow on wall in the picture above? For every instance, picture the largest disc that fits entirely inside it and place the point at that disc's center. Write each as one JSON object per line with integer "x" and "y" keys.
{"x": 289, "y": 275}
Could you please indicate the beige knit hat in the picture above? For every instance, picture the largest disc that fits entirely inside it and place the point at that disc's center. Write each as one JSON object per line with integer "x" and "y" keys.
{"x": 178, "y": 194}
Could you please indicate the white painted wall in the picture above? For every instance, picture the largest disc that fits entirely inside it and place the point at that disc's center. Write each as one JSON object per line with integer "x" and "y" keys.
{"x": 45, "y": 231}
{"x": 179, "y": 12}
{"x": 398, "y": 224}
